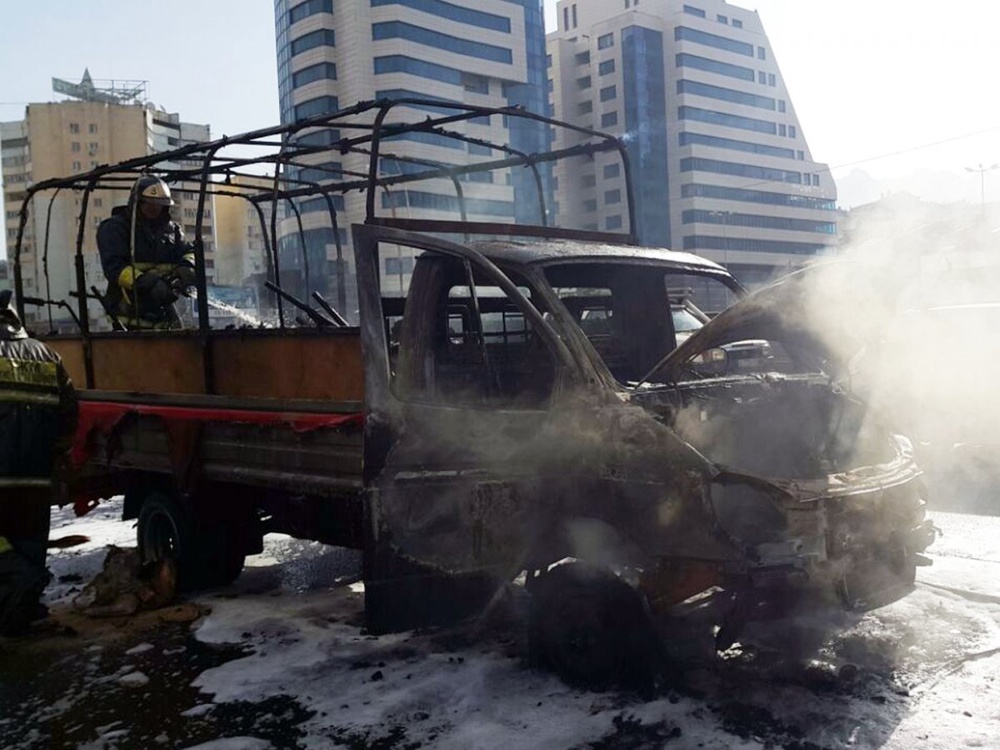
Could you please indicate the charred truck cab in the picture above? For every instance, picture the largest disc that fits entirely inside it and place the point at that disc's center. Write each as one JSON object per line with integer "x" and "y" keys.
{"x": 503, "y": 402}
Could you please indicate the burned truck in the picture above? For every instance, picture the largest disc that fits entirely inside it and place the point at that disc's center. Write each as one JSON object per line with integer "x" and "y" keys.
{"x": 514, "y": 407}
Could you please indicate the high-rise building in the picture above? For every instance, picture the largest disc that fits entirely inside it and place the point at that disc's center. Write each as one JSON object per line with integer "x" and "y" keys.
{"x": 60, "y": 139}
{"x": 719, "y": 159}
{"x": 479, "y": 52}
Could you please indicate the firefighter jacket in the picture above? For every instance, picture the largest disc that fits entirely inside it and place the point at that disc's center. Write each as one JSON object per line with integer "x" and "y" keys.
{"x": 159, "y": 249}
{"x": 38, "y": 406}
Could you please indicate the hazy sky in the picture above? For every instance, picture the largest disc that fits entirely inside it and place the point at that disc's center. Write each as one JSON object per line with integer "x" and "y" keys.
{"x": 868, "y": 78}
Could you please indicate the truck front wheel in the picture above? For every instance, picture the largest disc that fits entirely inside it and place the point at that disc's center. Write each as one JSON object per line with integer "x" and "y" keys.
{"x": 590, "y": 628}
{"x": 205, "y": 558}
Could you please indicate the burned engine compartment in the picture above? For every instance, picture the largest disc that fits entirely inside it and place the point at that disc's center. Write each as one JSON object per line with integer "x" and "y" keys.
{"x": 774, "y": 425}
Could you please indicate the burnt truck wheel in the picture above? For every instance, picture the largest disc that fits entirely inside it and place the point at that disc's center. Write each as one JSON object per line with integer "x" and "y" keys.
{"x": 590, "y": 628}
{"x": 204, "y": 558}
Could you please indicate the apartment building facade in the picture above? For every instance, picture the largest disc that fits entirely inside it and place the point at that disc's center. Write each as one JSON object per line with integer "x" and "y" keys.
{"x": 331, "y": 55}
{"x": 59, "y": 139}
{"x": 719, "y": 159}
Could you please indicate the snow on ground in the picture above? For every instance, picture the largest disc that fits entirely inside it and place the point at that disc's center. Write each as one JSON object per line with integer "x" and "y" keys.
{"x": 918, "y": 673}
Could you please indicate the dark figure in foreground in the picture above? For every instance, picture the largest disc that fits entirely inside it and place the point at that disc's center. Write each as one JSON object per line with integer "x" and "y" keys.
{"x": 37, "y": 419}
{"x": 147, "y": 263}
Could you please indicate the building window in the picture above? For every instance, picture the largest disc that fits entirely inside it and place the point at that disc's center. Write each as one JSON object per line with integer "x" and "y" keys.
{"x": 761, "y": 53}
{"x": 309, "y": 8}
{"x": 452, "y": 12}
{"x": 75, "y": 166}
{"x": 792, "y": 132}
{"x": 566, "y": 19}
{"x": 685, "y": 60}
{"x": 690, "y": 139}
{"x": 398, "y": 265}
{"x": 319, "y": 38}
{"x": 548, "y": 61}
{"x": 582, "y": 58}
{"x": 613, "y": 222}
{"x": 583, "y": 83}
{"x": 781, "y": 105}
{"x": 722, "y": 19}
{"x": 800, "y": 155}
{"x": 729, "y": 121}
{"x": 608, "y": 66}
{"x": 815, "y": 180}
{"x": 588, "y": 181}
{"x": 782, "y": 130}
{"x": 606, "y": 40}
{"x": 314, "y": 73}
{"x": 761, "y": 77}
{"x": 74, "y": 127}
{"x": 609, "y": 119}
{"x": 590, "y": 206}
{"x": 475, "y": 84}
{"x": 419, "y": 35}
{"x": 92, "y": 128}
{"x": 321, "y": 105}
{"x": 574, "y": 15}
{"x": 737, "y": 23}
{"x": 693, "y": 11}
{"x": 736, "y": 169}
{"x": 724, "y": 94}
{"x": 75, "y": 147}
{"x": 608, "y": 93}
{"x": 684, "y": 34}
{"x": 771, "y": 80}
{"x": 611, "y": 171}
{"x": 612, "y": 196}
{"x": 585, "y": 108}
{"x": 98, "y": 202}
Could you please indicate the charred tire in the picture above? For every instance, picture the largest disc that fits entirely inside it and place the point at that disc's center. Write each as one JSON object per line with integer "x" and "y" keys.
{"x": 204, "y": 558}
{"x": 590, "y": 628}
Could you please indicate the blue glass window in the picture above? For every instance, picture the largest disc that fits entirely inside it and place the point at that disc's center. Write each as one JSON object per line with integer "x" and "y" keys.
{"x": 761, "y": 53}
{"x": 609, "y": 119}
{"x": 611, "y": 171}
{"x": 450, "y": 203}
{"x": 608, "y": 66}
{"x": 309, "y": 8}
{"x": 723, "y": 94}
{"x": 314, "y": 73}
{"x": 314, "y": 205}
{"x": 729, "y": 121}
{"x": 320, "y": 172}
{"x": 612, "y": 196}
{"x": 421, "y": 68}
{"x": 318, "y": 38}
{"x": 453, "y": 12}
{"x": 754, "y": 171}
{"x": 683, "y": 33}
{"x": 608, "y": 93}
{"x": 398, "y": 265}
{"x": 321, "y": 105}
{"x": 324, "y": 137}
{"x": 781, "y": 105}
{"x": 684, "y": 60}
{"x": 694, "y": 190}
{"x": 613, "y": 222}
{"x": 764, "y": 222}
{"x": 420, "y": 35}
{"x": 698, "y": 242}
{"x": 793, "y": 131}
{"x": 693, "y": 11}
{"x": 605, "y": 40}
{"x": 689, "y": 139}
{"x": 737, "y": 23}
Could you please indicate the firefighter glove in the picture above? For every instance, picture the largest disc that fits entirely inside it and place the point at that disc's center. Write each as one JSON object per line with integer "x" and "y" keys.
{"x": 184, "y": 275}
{"x": 153, "y": 290}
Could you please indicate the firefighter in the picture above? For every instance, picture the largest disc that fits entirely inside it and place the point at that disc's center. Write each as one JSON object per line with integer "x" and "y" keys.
{"x": 145, "y": 258}
{"x": 37, "y": 419}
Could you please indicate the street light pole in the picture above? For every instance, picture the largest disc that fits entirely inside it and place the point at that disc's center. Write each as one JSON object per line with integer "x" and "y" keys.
{"x": 982, "y": 181}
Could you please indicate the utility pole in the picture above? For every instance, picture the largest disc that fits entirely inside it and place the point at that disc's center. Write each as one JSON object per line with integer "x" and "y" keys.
{"x": 982, "y": 181}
